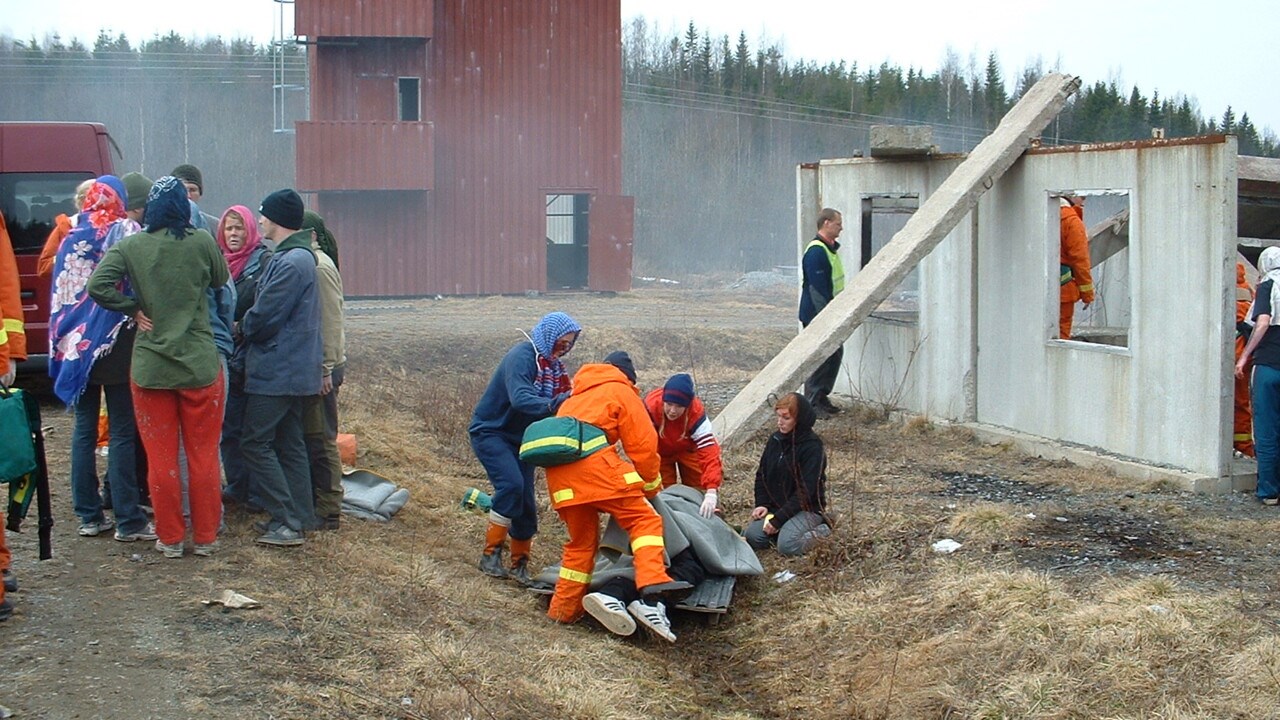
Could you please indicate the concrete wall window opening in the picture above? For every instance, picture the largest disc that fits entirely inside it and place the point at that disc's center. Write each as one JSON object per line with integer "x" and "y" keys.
{"x": 568, "y": 224}
{"x": 883, "y": 215}
{"x": 1088, "y": 256}
{"x": 410, "y": 99}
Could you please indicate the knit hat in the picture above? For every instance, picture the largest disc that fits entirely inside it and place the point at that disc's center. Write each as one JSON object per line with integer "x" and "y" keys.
{"x": 678, "y": 390}
{"x": 191, "y": 174}
{"x": 621, "y": 360}
{"x": 284, "y": 208}
{"x": 116, "y": 186}
{"x": 137, "y": 186}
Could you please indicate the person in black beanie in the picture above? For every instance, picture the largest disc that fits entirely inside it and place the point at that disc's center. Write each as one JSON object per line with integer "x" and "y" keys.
{"x": 283, "y": 367}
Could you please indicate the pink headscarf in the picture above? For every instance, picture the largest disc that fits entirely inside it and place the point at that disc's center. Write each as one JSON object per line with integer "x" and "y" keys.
{"x": 237, "y": 259}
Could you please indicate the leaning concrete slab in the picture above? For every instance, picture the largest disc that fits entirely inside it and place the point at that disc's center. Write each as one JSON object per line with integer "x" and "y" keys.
{"x": 954, "y": 198}
{"x": 1108, "y": 238}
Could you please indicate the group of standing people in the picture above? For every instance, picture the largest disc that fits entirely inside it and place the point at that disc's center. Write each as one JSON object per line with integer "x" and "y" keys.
{"x": 217, "y": 345}
{"x": 664, "y": 437}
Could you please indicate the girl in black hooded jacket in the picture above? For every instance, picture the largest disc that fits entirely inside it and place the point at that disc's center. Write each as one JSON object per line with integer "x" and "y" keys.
{"x": 791, "y": 483}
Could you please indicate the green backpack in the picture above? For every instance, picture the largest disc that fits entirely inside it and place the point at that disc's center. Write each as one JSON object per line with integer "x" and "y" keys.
{"x": 560, "y": 440}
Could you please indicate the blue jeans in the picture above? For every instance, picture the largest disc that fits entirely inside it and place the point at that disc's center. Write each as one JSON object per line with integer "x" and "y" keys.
{"x": 512, "y": 480}
{"x": 1265, "y": 397}
{"x": 796, "y": 537}
{"x": 121, "y": 464}
{"x": 276, "y": 455}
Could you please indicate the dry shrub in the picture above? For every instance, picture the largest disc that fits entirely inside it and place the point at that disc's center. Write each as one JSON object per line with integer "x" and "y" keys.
{"x": 989, "y": 522}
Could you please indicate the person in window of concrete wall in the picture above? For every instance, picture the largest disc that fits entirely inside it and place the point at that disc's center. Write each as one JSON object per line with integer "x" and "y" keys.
{"x": 1242, "y": 430}
{"x": 1263, "y": 349}
{"x": 13, "y": 347}
{"x": 321, "y": 421}
{"x": 605, "y": 396}
{"x": 242, "y": 245}
{"x": 686, "y": 442}
{"x": 284, "y": 353}
{"x": 823, "y": 279}
{"x": 791, "y": 483}
{"x": 177, "y": 383}
{"x": 89, "y": 355}
{"x": 529, "y": 384}
{"x": 1075, "y": 279}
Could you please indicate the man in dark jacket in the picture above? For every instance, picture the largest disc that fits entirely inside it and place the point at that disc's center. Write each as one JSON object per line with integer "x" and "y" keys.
{"x": 283, "y": 358}
{"x": 823, "y": 280}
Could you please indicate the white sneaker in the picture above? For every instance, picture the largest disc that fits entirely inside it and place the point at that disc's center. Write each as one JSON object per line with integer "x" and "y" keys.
{"x": 94, "y": 529}
{"x": 653, "y": 617}
{"x": 610, "y": 611}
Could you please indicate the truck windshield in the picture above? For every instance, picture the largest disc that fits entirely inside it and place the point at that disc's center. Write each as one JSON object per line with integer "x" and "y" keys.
{"x": 32, "y": 201}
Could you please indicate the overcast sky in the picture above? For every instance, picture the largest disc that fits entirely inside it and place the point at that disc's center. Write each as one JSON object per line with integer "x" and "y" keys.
{"x": 1218, "y": 55}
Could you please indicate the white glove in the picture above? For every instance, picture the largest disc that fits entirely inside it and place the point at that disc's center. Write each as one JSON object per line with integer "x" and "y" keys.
{"x": 708, "y": 505}
{"x": 7, "y": 378}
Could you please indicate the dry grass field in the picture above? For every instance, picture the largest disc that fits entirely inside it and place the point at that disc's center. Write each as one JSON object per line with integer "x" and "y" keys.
{"x": 1073, "y": 595}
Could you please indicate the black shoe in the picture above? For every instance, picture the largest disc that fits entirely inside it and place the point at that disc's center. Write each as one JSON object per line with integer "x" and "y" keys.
{"x": 6, "y": 610}
{"x": 491, "y": 564}
{"x": 827, "y": 406}
{"x": 10, "y": 582}
{"x": 520, "y": 572}
{"x": 330, "y": 523}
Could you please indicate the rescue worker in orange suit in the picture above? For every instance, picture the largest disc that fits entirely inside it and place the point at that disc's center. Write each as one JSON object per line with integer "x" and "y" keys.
{"x": 1075, "y": 279}
{"x": 686, "y": 442}
{"x": 605, "y": 395}
{"x": 1242, "y": 438}
{"x": 13, "y": 347}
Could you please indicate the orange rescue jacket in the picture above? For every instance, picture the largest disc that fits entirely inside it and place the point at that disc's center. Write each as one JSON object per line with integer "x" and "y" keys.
{"x": 690, "y": 433}
{"x": 13, "y": 336}
{"x": 49, "y": 254}
{"x": 1075, "y": 256}
{"x": 1244, "y": 293}
{"x": 604, "y": 397}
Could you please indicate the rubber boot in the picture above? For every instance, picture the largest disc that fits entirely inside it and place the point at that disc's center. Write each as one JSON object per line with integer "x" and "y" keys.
{"x": 520, "y": 561}
{"x": 491, "y": 561}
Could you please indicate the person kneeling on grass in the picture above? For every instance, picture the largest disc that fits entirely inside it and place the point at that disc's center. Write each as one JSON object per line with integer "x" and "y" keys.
{"x": 791, "y": 483}
{"x": 605, "y": 395}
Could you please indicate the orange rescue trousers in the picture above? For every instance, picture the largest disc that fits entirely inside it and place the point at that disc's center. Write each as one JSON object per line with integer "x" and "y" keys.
{"x": 643, "y": 526}
{"x": 1242, "y": 432}
{"x": 690, "y": 470}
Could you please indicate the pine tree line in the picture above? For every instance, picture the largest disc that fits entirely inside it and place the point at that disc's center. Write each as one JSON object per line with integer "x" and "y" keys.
{"x": 958, "y": 95}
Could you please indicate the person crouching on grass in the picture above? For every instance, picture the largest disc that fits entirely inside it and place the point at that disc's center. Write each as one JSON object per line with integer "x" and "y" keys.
{"x": 605, "y": 395}
{"x": 529, "y": 384}
{"x": 686, "y": 442}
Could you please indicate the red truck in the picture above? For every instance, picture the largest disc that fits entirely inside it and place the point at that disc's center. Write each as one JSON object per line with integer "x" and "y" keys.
{"x": 41, "y": 163}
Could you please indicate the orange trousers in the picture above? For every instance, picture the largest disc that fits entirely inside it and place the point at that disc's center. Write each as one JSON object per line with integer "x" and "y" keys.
{"x": 1242, "y": 431}
{"x": 643, "y": 526}
{"x": 690, "y": 470}
{"x": 1066, "y": 313}
{"x": 6, "y": 558}
{"x": 197, "y": 413}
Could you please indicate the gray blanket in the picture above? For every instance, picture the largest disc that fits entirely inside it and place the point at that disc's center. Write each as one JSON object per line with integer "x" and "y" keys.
{"x": 720, "y": 549}
{"x": 370, "y": 496}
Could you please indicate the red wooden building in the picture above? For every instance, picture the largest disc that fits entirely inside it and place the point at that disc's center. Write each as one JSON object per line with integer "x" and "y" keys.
{"x": 468, "y": 147}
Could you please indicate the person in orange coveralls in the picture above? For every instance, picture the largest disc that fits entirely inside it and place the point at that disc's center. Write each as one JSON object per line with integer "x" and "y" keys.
{"x": 1075, "y": 279}
{"x": 686, "y": 441}
{"x": 1242, "y": 438}
{"x": 605, "y": 395}
{"x": 13, "y": 347}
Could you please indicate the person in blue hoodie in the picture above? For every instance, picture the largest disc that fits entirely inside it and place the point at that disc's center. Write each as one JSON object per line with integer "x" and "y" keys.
{"x": 529, "y": 384}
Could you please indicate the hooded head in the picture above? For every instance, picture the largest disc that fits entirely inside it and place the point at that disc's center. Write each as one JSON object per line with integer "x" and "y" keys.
{"x": 1269, "y": 261}
{"x": 238, "y": 242}
{"x": 550, "y": 328}
{"x": 168, "y": 207}
{"x": 799, "y": 410}
{"x": 678, "y": 390}
{"x": 621, "y": 360}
